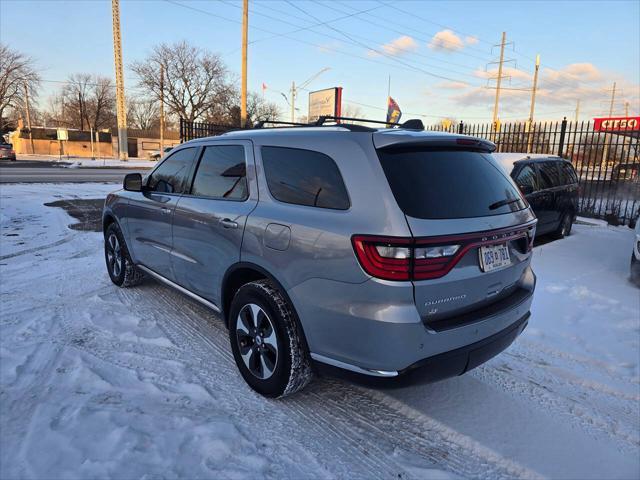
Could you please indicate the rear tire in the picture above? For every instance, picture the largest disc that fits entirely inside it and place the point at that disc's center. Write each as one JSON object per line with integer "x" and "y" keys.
{"x": 267, "y": 342}
{"x": 564, "y": 229}
{"x": 120, "y": 267}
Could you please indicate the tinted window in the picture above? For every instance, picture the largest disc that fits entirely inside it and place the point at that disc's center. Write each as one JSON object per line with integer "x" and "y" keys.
{"x": 568, "y": 173}
{"x": 448, "y": 184}
{"x": 304, "y": 177}
{"x": 221, "y": 173}
{"x": 549, "y": 175}
{"x": 527, "y": 180}
{"x": 172, "y": 174}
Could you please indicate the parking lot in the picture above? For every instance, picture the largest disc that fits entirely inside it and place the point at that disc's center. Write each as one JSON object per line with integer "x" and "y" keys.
{"x": 98, "y": 381}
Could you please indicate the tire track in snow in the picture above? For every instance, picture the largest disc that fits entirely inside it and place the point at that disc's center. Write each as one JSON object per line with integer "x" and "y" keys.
{"x": 354, "y": 423}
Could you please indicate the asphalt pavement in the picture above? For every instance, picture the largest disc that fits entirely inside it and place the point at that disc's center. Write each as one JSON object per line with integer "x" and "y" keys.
{"x": 26, "y": 171}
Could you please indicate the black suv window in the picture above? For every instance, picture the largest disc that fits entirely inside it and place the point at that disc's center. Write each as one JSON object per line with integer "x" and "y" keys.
{"x": 432, "y": 183}
{"x": 549, "y": 175}
{"x": 568, "y": 173}
{"x": 304, "y": 177}
{"x": 172, "y": 174}
{"x": 222, "y": 173}
{"x": 527, "y": 180}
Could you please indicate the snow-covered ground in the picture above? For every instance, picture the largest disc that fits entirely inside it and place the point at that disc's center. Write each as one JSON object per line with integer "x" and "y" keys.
{"x": 97, "y": 381}
{"x": 77, "y": 162}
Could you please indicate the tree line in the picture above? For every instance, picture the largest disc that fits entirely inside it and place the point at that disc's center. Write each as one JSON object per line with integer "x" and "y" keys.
{"x": 197, "y": 86}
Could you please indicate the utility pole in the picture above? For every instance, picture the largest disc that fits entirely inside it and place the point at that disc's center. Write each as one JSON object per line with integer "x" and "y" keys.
{"x": 499, "y": 79}
{"x": 26, "y": 101}
{"x": 81, "y": 111}
{"x": 243, "y": 95}
{"x": 533, "y": 102}
{"x": 607, "y": 138}
{"x": 117, "y": 57}
{"x": 161, "y": 109}
{"x": 293, "y": 101}
{"x": 577, "y": 111}
{"x": 626, "y": 109}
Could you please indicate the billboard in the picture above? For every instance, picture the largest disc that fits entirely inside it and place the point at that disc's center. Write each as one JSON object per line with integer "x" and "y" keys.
{"x": 325, "y": 102}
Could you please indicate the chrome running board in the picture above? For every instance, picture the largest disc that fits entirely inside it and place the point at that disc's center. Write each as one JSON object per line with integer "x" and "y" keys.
{"x": 354, "y": 368}
{"x": 188, "y": 293}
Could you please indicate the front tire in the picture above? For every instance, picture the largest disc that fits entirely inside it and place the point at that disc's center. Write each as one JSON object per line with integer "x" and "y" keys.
{"x": 267, "y": 342}
{"x": 120, "y": 267}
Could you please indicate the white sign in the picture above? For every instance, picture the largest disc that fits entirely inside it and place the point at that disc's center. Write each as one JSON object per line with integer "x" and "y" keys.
{"x": 325, "y": 102}
{"x": 63, "y": 134}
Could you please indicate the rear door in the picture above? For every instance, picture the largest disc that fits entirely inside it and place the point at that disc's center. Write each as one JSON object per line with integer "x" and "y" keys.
{"x": 209, "y": 219}
{"x": 549, "y": 180}
{"x": 454, "y": 201}
{"x": 150, "y": 212}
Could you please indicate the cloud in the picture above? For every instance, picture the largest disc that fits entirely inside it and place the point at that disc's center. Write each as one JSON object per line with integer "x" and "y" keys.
{"x": 452, "y": 85}
{"x": 399, "y": 46}
{"x": 471, "y": 40}
{"x": 446, "y": 41}
{"x": 574, "y": 73}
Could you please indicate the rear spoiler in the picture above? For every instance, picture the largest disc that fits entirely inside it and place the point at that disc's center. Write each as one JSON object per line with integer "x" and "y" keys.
{"x": 407, "y": 139}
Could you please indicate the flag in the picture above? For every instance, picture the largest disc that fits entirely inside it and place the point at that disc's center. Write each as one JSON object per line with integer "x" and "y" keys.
{"x": 264, "y": 86}
{"x": 393, "y": 112}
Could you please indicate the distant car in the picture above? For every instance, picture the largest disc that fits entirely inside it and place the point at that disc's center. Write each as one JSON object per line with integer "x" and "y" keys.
{"x": 635, "y": 256}
{"x": 550, "y": 185}
{"x": 156, "y": 155}
{"x": 7, "y": 152}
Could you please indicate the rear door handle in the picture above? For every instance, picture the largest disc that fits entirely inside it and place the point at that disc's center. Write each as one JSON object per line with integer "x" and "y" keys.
{"x": 165, "y": 210}
{"x": 227, "y": 223}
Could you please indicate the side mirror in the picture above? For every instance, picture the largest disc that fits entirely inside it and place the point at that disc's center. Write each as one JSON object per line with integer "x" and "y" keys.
{"x": 132, "y": 182}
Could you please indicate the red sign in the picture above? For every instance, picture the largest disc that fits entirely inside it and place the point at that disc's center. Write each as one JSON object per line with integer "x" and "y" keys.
{"x": 617, "y": 124}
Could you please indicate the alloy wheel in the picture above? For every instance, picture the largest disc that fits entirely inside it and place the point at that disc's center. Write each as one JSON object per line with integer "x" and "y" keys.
{"x": 257, "y": 341}
{"x": 114, "y": 255}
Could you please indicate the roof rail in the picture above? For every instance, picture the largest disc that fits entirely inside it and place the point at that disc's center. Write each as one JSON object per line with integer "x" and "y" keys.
{"x": 411, "y": 124}
{"x": 261, "y": 123}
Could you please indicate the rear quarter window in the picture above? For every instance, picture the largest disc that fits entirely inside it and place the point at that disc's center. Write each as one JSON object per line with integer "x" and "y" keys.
{"x": 438, "y": 184}
{"x": 304, "y": 177}
{"x": 549, "y": 174}
{"x": 568, "y": 173}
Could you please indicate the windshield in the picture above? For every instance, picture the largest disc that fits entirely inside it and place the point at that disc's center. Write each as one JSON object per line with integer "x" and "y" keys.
{"x": 436, "y": 184}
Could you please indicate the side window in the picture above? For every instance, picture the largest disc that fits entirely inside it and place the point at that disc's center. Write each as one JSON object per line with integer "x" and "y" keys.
{"x": 304, "y": 177}
{"x": 568, "y": 173}
{"x": 222, "y": 173}
{"x": 172, "y": 174}
{"x": 549, "y": 175}
{"x": 527, "y": 180}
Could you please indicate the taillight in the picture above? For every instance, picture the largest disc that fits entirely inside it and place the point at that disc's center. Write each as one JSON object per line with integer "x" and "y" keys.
{"x": 402, "y": 258}
{"x": 388, "y": 258}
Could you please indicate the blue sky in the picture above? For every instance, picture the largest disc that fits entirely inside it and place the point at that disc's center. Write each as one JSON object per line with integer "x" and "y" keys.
{"x": 436, "y": 52}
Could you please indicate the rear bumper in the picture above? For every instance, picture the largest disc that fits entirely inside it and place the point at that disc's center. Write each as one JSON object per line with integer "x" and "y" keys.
{"x": 375, "y": 329}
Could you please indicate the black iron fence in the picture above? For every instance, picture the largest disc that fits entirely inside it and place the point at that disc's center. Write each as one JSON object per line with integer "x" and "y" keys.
{"x": 607, "y": 163}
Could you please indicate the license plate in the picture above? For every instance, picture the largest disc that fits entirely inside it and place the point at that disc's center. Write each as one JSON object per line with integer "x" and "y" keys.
{"x": 493, "y": 257}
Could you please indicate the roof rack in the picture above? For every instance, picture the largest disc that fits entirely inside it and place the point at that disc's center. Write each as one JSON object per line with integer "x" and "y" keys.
{"x": 261, "y": 123}
{"x": 411, "y": 124}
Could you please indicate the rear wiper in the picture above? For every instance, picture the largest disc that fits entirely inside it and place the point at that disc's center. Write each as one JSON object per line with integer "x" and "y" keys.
{"x": 502, "y": 203}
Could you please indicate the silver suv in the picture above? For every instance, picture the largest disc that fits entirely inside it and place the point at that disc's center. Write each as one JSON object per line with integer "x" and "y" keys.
{"x": 373, "y": 250}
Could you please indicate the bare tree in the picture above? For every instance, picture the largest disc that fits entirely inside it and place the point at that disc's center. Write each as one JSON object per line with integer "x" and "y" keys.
{"x": 143, "y": 113}
{"x": 195, "y": 80}
{"x": 86, "y": 101}
{"x": 259, "y": 109}
{"x": 16, "y": 71}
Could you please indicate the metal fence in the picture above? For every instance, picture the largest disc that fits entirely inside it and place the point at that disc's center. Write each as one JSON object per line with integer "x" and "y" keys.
{"x": 607, "y": 164}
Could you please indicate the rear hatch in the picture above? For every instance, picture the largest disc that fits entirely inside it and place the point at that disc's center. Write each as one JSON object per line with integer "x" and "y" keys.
{"x": 472, "y": 229}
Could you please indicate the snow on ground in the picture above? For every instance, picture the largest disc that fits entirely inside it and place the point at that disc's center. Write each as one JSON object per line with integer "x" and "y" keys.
{"x": 97, "y": 381}
{"x": 77, "y": 162}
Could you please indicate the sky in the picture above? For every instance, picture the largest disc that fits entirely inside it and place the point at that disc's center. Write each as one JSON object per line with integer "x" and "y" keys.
{"x": 437, "y": 54}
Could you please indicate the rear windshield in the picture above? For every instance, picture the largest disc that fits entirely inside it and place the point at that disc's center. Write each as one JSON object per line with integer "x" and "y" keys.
{"x": 430, "y": 183}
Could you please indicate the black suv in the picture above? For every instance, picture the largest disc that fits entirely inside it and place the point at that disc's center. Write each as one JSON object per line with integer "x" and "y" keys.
{"x": 550, "y": 185}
